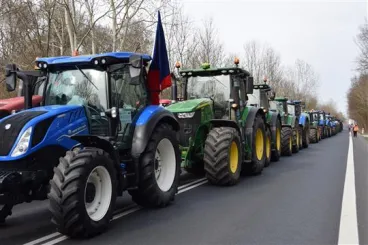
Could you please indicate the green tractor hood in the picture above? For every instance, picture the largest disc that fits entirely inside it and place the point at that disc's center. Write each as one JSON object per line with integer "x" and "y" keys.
{"x": 188, "y": 105}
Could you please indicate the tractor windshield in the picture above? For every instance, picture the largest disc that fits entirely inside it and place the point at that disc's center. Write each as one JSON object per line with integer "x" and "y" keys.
{"x": 77, "y": 87}
{"x": 315, "y": 116}
{"x": 277, "y": 105}
{"x": 216, "y": 87}
{"x": 291, "y": 109}
{"x": 254, "y": 99}
{"x": 321, "y": 117}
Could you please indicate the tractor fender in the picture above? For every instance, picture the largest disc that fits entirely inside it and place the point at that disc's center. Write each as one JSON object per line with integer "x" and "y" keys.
{"x": 104, "y": 144}
{"x": 146, "y": 123}
{"x": 303, "y": 120}
{"x": 215, "y": 123}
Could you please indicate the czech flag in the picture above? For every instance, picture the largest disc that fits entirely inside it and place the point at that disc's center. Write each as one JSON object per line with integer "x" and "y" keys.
{"x": 159, "y": 76}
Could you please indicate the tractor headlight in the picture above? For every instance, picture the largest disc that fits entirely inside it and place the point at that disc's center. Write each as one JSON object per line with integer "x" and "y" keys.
{"x": 186, "y": 114}
{"x": 23, "y": 143}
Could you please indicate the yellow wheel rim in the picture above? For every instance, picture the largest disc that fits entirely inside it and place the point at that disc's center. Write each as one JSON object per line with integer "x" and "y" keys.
{"x": 297, "y": 138}
{"x": 278, "y": 139}
{"x": 259, "y": 144}
{"x": 234, "y": 157}
{"x": 290, "y": 143}
{"x": 268, "y": 147}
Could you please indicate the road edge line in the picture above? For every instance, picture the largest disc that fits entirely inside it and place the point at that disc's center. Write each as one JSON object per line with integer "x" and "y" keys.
{"x": 348, "y": 230}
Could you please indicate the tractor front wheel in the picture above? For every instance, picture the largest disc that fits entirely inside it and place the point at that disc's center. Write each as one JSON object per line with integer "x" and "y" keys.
{"x": 286, "y": 141}
{"x": 6, "y": 210}
{"x": 159, "y": 169}
{"x": 83, "y": 192}
{"x": 268, "y": 147}
{"x": 313, "y": 135}
{"x": 223, "y": 156}
{"x": 305, "y": 136}
{"x": 276, "y": 153}
{"x": 258, "y": 147}
{"x": 296, "y": 141}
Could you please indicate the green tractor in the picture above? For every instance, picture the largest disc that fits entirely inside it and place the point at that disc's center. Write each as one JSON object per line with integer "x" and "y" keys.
{"x": 220, "y": 136}
{"x": 315, "y": 127}
{"x": 262, "y": 94}
{"x": 296, "y": 107}
{"x": 290, "y": 133}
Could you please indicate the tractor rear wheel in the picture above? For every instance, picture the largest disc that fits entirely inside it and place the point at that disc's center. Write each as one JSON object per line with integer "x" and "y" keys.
{"x": 258, "y": 148}
{"x": 313, "y": 135}
{"x": 83, "y": 192}
{"x": 305, "y": 136}
{"x": 286, "y": 141}
{"x": 223, "y": 156}
{"x": 276, "y": 153}
{"x": 268, "y": 147}
{"x": 159, "y": 169}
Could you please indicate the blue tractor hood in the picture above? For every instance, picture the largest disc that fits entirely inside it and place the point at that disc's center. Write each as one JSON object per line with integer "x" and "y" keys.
{"x": 26, "y": 132}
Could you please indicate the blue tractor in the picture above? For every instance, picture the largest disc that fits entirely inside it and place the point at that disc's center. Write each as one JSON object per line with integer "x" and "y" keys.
{"x": 295, "y": 108}
{"x": 326, "y": 125}
{"x": 95, "y": 136}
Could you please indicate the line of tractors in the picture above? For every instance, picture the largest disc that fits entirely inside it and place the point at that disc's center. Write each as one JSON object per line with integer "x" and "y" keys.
{"x": 94, "y": 135}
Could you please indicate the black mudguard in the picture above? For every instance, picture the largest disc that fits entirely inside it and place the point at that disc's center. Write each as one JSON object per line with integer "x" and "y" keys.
{"x": 253, "y": 111}
{"x": 142, "y": 133}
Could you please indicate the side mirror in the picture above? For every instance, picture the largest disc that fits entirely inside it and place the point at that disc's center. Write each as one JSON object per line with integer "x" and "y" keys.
{"x": 249, "y": 85}
{"x": 135, "y": 69}
{"x": 10, "y": 77}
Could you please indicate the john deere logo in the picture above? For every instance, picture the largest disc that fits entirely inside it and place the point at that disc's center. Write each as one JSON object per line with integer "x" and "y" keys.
{"x": 7, "y": 126}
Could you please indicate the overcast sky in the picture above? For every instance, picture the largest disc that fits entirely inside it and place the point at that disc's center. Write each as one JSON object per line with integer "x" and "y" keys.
{"x": 319, "y": 32}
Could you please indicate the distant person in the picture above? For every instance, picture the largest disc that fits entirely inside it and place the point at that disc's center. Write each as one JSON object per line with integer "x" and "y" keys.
{"x": 355, "y": 129}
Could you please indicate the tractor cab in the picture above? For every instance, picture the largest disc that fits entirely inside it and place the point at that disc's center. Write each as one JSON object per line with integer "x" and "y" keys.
{"x": 315, "y": 116}
{"x": 262, "y": 94}
{"x": 279, "y": 104}
{"x": 294, "y": 107}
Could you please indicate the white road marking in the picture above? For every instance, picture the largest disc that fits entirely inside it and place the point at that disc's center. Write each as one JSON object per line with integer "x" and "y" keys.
{"x": 348, "y": 232}
{"x": 42, "y": 239}
{"x": 119, "y": 214}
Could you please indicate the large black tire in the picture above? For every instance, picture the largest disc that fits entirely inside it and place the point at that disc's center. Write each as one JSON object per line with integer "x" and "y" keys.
{"x": 305, "y": 135}
{"x": 286, "y": 141}
{"x": 258, "y": 162}
{"x": 296, "y": 138}
{"x": 5, "y": 211}
{"x": 276, "y": 153}
{"x": 223, "y": 156}
{"x": 313, "y": 135}
{"x": 149, "y": 193}
{"x": 268, "y": 147}
{"x": 69, "y": 191}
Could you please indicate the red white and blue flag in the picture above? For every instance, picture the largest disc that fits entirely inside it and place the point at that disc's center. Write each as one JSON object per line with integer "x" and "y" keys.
{"x": 159, "y": 76}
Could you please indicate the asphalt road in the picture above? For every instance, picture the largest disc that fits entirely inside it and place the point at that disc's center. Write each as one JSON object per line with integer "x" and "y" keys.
{"x": 297, "y": 200}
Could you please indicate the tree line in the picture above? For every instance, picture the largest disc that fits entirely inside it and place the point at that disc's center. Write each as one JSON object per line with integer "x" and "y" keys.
{"x": 39, "y": 28}
{"x": 358, "y": 93}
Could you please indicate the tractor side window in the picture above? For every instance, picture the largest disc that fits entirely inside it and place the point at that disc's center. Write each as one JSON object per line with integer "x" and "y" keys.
{"x": 129, "y": 98}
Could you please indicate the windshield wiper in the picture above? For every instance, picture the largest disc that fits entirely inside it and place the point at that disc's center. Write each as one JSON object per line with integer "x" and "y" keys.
{"x": 84, "y": 74}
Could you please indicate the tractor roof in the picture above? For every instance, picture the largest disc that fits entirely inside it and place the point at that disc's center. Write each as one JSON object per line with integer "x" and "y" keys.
{"x": 294, "y": 102}
{"x": 281, "y": 99}
{"x": 83, "y": 59}
{"x": 262, "y": 86}
{"x": 213, "y": 72}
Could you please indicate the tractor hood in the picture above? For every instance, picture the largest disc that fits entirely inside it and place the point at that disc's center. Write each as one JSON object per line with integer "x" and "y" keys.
{"x": 188, "y": 105}
{"x": 46, "y": 125}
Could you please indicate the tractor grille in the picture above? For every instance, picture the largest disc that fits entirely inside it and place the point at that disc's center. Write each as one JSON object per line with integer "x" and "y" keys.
{"x": 17, "y": 122}
{"x": 188, "y": 127}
